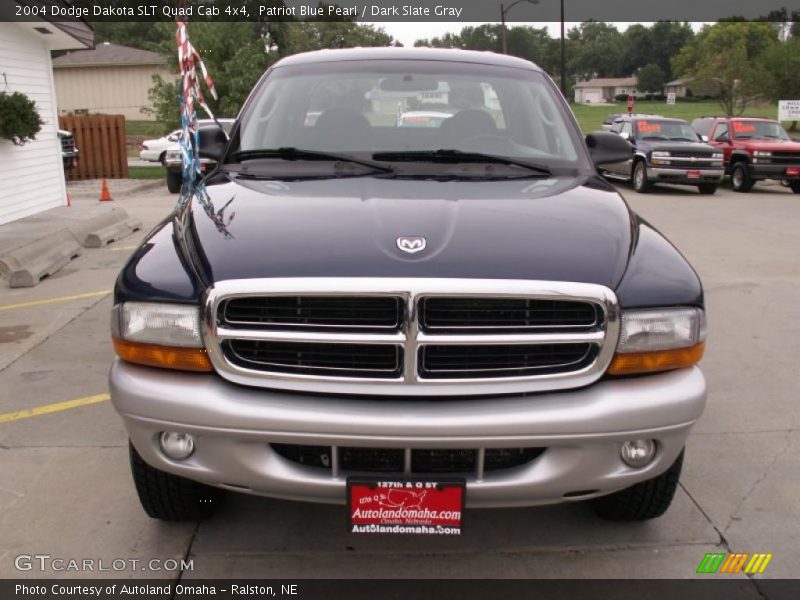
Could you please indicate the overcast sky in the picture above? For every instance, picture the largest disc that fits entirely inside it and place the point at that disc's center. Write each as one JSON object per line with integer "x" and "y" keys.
{"x": 409, "y": 32}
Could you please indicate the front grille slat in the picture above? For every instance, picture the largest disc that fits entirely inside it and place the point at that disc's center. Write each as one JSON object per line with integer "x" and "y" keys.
{"x": 505, "y": 314}
{"x": 314, "y": 312}
{"x": 471, "y": 362}
{"x": 343, "y": 360}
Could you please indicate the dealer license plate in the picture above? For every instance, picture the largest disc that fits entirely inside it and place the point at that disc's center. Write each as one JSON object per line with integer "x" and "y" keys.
{"x": 793, "y": 171}
{"x": 693, "y": 174}
{"x": 405, "y": 506}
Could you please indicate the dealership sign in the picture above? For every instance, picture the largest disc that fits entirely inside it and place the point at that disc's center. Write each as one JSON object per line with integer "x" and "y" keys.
{"x": 789, "y": 110}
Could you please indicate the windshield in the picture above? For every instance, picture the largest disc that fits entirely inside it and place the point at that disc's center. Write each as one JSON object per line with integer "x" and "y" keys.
{"x": 665, "y": 130}
{"x": 375, "y": 107}
{"x": 743, "y": 130}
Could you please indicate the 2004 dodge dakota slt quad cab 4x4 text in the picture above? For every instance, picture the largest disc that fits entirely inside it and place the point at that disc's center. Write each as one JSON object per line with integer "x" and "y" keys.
{"x": 408, "y": 320}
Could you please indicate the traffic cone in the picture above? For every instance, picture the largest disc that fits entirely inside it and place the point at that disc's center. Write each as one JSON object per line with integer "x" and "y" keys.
{"x": 105, "y": 195}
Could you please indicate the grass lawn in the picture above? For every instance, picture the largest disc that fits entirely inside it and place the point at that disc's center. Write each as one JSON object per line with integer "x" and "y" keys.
{"x": 591, "y": 117}
{"x": 155, "y": 172}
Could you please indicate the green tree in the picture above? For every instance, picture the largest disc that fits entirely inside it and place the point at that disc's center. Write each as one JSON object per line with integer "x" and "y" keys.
{"x": 598, "y": 51}
{"x": 778, "y": 68}
{"x": 722, "y": 58}
{"x": 651, "y": 79}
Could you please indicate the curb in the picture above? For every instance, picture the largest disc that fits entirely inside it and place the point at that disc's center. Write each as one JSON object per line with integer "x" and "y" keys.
{"x": 27, "y": 265}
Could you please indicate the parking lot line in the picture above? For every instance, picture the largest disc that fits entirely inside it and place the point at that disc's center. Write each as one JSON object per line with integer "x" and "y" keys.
{"x": 53, "y": 300}
{"x": 52, "y": 408}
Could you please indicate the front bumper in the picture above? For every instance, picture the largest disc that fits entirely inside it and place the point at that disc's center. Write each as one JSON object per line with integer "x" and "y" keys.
{"x": 581, "y": 429}
{"x": 770, "y": 171}
{"x": 681, "y": 175}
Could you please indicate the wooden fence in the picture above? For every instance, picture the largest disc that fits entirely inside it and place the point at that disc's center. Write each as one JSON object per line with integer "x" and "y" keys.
{"x": 100, "y": 140}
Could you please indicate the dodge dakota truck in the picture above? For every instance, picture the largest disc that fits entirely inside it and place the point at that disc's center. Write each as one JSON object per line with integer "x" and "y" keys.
{"x": 408, "y": 321}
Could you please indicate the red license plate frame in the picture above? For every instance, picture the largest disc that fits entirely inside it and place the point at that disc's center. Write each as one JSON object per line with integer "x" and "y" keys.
{"x": 406, "y": 506}
{"x": 693, "y": 174}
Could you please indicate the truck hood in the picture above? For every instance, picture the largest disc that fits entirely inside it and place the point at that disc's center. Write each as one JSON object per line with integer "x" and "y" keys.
{"x": 563, "y": 229}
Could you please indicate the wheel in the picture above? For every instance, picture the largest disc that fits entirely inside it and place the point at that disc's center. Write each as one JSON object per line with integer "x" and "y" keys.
{"x": 740, "y": 178}
{"x": 174, "y": 182}
{"x": 162, "y": 157}
{"x": 707, "y": 188}
{"x": 646, "y": 500}
{"x": 640, "y": 181}
{"x": 170, "y": 497}
{"x": 795, "y": 185}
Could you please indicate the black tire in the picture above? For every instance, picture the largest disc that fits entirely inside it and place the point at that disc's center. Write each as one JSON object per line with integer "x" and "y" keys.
{"x": 707, "y": 189}
{"x": 639, "y": 177}
{"x": 646, "y": 500}
{"x": 163, "y": 158}
{"x": 795, "y": 185}
{"x": 170, "y": 497}
{"x": 174, "y": 182}
{"x": 740, "y": 178}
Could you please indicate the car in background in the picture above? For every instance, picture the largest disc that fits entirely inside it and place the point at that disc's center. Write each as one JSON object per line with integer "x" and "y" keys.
{"x": 608, "y": 122}
{"x": 754, "y": 149}
{"x": 156, "y": 150}
{"x": 69, "y": 151}
{"x": 665, "y": 151}
{"x": 419, "y": 118}
{"x": 172, "y": 156}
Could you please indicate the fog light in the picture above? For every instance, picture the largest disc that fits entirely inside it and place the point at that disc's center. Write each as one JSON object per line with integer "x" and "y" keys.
{"x": 638, "y": 453}
{"x": 176, "y": 445}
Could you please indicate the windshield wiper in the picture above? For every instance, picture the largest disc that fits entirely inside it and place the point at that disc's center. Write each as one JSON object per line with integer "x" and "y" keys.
{"x": 681, "y": 139}
{"x": 458, "y": 156}
{"x": 289, "y": 153}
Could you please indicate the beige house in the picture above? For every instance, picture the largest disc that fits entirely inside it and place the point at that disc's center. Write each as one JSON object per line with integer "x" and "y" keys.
{"x": 109, "y": 79}
{"x": 677, "y": 87}
{"x": 599, "y": 91}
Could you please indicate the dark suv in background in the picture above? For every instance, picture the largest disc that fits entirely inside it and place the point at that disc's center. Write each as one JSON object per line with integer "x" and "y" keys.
{"x": 665, "y": 151}
{"x": 754, "y": 149}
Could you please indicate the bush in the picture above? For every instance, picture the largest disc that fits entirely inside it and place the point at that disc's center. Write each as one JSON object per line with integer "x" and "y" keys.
{"x": 19, "y": 120}
{"x": 621, "y": 98}
{"x": 659, "y": 97}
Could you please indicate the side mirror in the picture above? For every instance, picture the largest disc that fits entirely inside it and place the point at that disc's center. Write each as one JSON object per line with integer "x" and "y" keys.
{"x": 606, "y": 148}
{"x": 212, "y": 142}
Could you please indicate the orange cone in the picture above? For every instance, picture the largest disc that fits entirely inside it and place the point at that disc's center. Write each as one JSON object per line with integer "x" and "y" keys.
{"x": 105, "y": 195}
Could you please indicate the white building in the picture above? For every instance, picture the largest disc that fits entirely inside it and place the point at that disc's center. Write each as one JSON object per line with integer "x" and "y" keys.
{"x": 32, "y": 176}
{"x": 599, "y": 91}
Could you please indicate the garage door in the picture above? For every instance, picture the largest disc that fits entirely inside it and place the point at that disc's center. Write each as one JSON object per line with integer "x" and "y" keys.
{"x": 592, "y": 97}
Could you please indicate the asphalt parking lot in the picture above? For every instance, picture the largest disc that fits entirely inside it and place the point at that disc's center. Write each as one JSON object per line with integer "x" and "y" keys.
{"x": 66, "y": 489}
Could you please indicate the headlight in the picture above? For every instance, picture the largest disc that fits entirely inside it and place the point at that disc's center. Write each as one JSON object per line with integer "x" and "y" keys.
{"x": 159, "y": 335}
{"x": 718, "y": 156}
{"x": 762, "y": 154}
{"x": 659, "y": 340}
{"x": 660, "y": 154}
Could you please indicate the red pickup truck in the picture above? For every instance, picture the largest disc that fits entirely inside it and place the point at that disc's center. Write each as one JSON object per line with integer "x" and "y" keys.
{"x": 755, "y": 149}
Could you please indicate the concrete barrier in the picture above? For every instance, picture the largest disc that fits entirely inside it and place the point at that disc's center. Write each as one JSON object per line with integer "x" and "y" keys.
{"x": 107, "y": 227}
{"x": 27, "y": 265}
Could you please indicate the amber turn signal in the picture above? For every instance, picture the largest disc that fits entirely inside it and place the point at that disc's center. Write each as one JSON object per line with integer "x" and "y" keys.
{"x": 630, "y": 363}
{"x": 166, "y": 357}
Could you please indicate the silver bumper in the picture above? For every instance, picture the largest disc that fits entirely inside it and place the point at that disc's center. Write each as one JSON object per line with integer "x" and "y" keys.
{"x": 581, "y": 429}
{"x": 681, "y": 175}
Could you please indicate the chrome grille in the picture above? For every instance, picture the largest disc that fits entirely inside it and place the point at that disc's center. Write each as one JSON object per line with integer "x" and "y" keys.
{"x": 410, "y": 337}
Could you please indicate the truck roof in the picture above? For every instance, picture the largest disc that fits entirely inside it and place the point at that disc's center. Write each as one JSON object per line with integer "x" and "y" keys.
{"x": 392, "y": 53}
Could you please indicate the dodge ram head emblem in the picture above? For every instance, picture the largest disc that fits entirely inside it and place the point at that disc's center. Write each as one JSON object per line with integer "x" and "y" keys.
{"x": 412, "y": 245}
